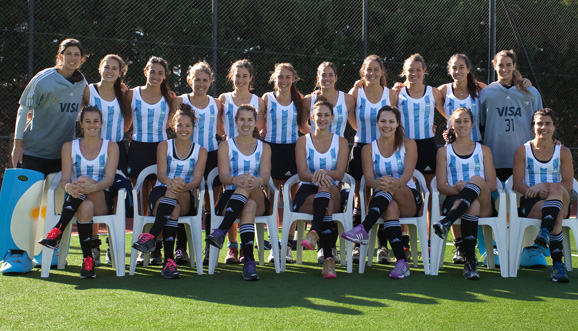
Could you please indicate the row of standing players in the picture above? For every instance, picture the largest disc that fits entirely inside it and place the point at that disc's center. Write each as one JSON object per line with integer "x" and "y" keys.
{"x": 507, "y": 104}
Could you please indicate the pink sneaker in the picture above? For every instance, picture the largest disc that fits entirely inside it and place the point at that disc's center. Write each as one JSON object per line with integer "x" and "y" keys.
{"x": 400, "y": 271}
{"x": 310, "y": 240}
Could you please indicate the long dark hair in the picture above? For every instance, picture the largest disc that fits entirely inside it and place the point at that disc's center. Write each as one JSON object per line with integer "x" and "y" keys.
{"x": 184, "y": 110}
{"x": 126, "y": 112}
{"x": 295, "y": 95}
{"x": 320, "y": 68}
{"x": 252, "y": 109}
{"x": 472, "y": 83}
{"x": 166, "y": 91}
{"x": 70, "y": 42}
{"x": 517, "y": 79}
{"x": 366, "y": 61}
{"x": 451, "y": 132}
{"x": 546, "y": 112}
{"x": 399, "y": 131}
{"x": 243, "y": 63}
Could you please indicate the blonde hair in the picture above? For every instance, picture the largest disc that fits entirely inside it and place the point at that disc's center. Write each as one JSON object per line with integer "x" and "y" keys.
{"x": 517, "y": 79}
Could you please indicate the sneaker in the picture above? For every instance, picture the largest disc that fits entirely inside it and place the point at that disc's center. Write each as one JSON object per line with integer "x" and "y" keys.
{"x": 206, "y": 259}
{"x": 289, "y": 256}
{"x": 51, "y": 239}
{"x": 355, "y": 255}
{"x": 217, "y": 238}
{"x": 383, "y": 256}
{"x": 543, "y": 238}
{"x": 146, "y": 243}
{"x": 459, "y": 256}
{"x": 271, "y": 257}
{"x": 250, "y": 271}
{"x": 140, "y": 258}
{"x": 441, "y": 230}
{"x": 96, "y": 255}
{"x": 170, "y": 270}
{"x": 335, "y": 255}
{"x": 400, "y": 271}
{"x": 310, "y": 240}
{"x": 407, "y": 252}
{"x": 559, "y": 274}
{"x": 471, "y": 270}
{"x": 156, "y": 257}
{"x": 533, "y": 257}
{"x": 87, "y": 270}
{"x": 181, "y": 257}
{"x": 329, "y": 268}
{"x": 241, "y": 257}
{"x": 321, "y": 256}
{"x": 232, "y": 256}
{"x": 357, "y": 235}
{"x": 108, "y": 256}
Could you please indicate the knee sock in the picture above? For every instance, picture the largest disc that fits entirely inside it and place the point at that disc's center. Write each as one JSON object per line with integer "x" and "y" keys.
{"x": 247, "y": 232}
{"x": 169, "y": 235}
{"x": 69, "y": 208}
{"x": 85, "y": 238}
{"x": 392, "y": 229}
{"x": 234, "y": 209}
{"x": 95, "y": 241}
{"x": 164, "y": 211}
{"x": 181, "y": 238}
{"x": 466, "y": 196}
{"x": 320, "y": 204}
{"x": 207, "y": 223}
{"x": 556, "y": 248}
{"x": 458, "y": 243}
{"x": 550, "y": 211}
{"x": 377, "y": 207}
{"x": 470, "y": 237}
{"x": 405, "y": 240}
{"x": 382, "y": 237}
{"x": 356, "y": 216}
{"x": 326, "y": 236}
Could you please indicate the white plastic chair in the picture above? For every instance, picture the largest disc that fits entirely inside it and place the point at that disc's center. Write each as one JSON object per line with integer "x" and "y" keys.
{"x": 260, "y": 221}
{"x": 497, "y": 225}
{"x": 418, "y": 228}
{"x": 519, "y": 225}
{"x": 193, "y": 223}
{"x": 115, "y": 223}
{"x": 344, "y": 220}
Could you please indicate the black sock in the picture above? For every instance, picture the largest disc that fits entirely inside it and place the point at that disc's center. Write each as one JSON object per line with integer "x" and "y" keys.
{"x": 382, "y": 237}
{"x": 356, "y": 216}
{"x": 458, "y": 243}
{"x": 95, "y": 241}
{"x": 247, "y": 232}
{"x": 207, "y": 223}
{"x": 320, "y": 204}
{"x": 326, "y": 237}
{"x": 556, "y": 247}
{"x": 550, "y": 211}
{"x": 164, "y": 211}
{"x": 69, "y": 208}
{"x": 405, "y": 240}
{"x": 466, "y": 196}
{"x": 169, "y": 234}
{"x": 392, "y": 229}
{"x": 234, "y": 209}
{"x": 377, "y": 206}
{"x": 470, "y": 237}
{"x": 181, "y": 238}
{"x": 85, "y": 238}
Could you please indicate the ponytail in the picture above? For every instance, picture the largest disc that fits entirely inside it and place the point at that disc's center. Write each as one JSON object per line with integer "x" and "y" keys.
{"x": 517, "y": 80}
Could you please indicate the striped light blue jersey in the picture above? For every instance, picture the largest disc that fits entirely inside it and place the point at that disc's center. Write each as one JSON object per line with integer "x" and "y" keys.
{"x": 230, "y": 110}
{"x": 392, "y": 165}
{"x": 366, "y": 115}
{"x": 282, "y": 126}
{"x": 206, "y": 127}
{"x": 339, "y": 115}
{"x": 417, "y": 115}
{"x": 321, "y": 161}
{"x": 459, "y": 168}
{"x": 240, "y": 163}
{"x": 149, "y": 122}
{"x": 112, "y": 120}
{"x": 94, "y": 168}
{"x": 181, "y": 167}
{"x": 451, "y": 103}
{"x": 537, "y": 172}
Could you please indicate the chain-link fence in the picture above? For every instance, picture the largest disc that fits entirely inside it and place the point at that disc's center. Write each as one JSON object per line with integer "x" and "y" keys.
{"x": 302, "y": 32}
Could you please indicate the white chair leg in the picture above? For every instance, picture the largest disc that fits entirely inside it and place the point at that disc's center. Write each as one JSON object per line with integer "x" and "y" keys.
{"x": 413, "y": 239}
{"x": 260, "y": 233}
{"x": 301, "y": 225}
{"x": 274, "y": 238}
{"x": 488, "y": 241}
{"x": 197, "y": 244}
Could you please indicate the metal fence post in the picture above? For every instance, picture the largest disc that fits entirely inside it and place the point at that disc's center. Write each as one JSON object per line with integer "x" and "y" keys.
{"x": 365, "y": 26}
{"x": 30, "y": 39}
{"x": 492, "y": 41}
{"x": 215, "y": 44}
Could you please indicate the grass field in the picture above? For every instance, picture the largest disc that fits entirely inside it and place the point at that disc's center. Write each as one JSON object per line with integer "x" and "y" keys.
{"x": 298, "y": 298}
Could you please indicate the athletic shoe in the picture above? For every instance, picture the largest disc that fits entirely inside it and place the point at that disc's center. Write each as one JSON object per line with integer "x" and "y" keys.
{"x": 441, "y": 230}
{"x": 140, "y": 258}
{"x": 108, "y": 256}
{"x": 471, "y": 270}
{"x": 310, "y": 240}
{"x": 289, "y": 255}
{"x": 250, "y": 271}
{"x": 96, "y": 255}
{"x": 206, "y": 259}
{"x": 321, "y": 256}
{"x": 329, "y": 268}
{"x": 357, "y": 235}
{"x": 271, "y": 257}
{"x": 156, "y": 257}
{"x": 170, "y": 270}
{"x": 181, "y": 257}
{"x": 232, "y": 256}
{"x": 87, "y": 270}
{"x": 146, "y": 243}
{"x": 533, "y": 257}
{"x": 335, "y": 255}
{"x": 217, "y": 238}
{"x": 407, "y": 252}
{"x": 543, "y": 238}
{"x": 241, "y": 257}
{"x": 16, "y": 261}
{"x": 383, "y": 256}
{"x": 51, "y": 239}
{"x": 459, "y": 256}
{"x": 355, "y": 255}
{"x": 559, "y": 274}
{"x": 400, "y": 271}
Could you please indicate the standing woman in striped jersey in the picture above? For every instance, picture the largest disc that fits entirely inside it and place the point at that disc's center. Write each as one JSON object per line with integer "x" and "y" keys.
{"x": 280, "y": 122}
{"x": 88, "y": 170}
{"x": 241, "y": 75}
{"x": 206, "y": 109}
{"x": 543, "y": 174}
{"x": 465, "y": 173}
{"x": 181, "y": 164}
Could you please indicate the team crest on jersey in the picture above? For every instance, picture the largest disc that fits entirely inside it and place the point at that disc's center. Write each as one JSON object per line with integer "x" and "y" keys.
{"x": 526, "y": 103}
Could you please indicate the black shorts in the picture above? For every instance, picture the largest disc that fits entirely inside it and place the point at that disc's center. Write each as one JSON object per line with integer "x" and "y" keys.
{"x": 212, "y": 163}
{"x": 306, "y": 190}
{"x": 160, "y": 191}
{"x": 45, "y": 166}
{"x": 109, "y": 199}
{"x": 283, "y": 161}
{"x": 226, "y": 196}
{"x": 355, "y": 167}
{"x": 449, "y": 203}
{"x": 416, "y": 198}
{"x": 122, "y": 157}
{"x": 426, "y": 156}
{"x": 140, "y": 156}
{"x": 504, "y": 173}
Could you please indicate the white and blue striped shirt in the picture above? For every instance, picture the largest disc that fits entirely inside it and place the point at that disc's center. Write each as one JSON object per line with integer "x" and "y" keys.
{"x": 366, "y": 115}
{"x": 149, "y": 121}
{"x": 81, "y": 166}
{"x": 537, "y": 172}
{"x": 459, "y": 168}
{"x": 339, "y": 115}
{"x": 240, "y": 163}
{"x": 321, "y": 161}
{"x": 417, "y": 115}
{"x": 181, "y": 167}
{"x": 393, "y": 165}
{"x": 230, "y": 110}
{"x": 282, "y": 126}
{"x": 112, "y": 120}
{"x": 451, "y": 103}
{"x": 206, "y": 128}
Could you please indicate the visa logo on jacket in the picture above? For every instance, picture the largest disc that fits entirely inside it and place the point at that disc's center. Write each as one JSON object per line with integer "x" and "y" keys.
{"x": 509, "y": 111}
{"x": 69, "y": 107}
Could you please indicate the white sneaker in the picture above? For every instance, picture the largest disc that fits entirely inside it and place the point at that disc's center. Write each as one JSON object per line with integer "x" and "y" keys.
{"x": 383, "y": 256}
{"x": 271, "y": 257}
{"x": 320, "y": 256}
{"x": 336, "y": 255}
{"x": 289, "y": 257}
{"x": 355, "y": 255}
